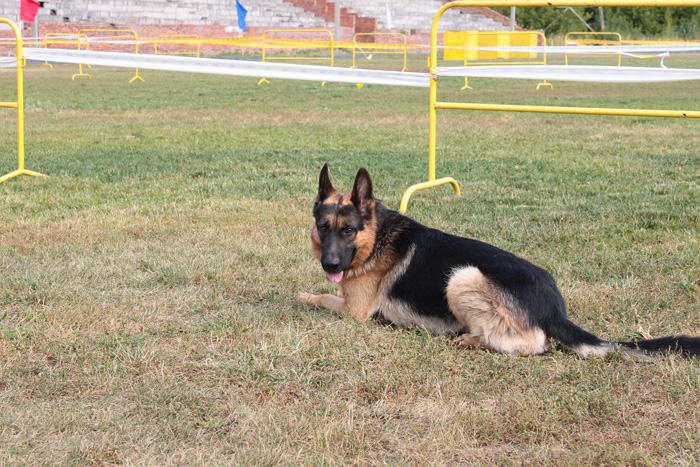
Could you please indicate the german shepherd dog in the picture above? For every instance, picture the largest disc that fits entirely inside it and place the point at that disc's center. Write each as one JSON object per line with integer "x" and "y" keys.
{"x": 392, "y": 267}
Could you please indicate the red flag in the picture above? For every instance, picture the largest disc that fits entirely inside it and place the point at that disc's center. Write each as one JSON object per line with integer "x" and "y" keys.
{"x": 27, "y": 10}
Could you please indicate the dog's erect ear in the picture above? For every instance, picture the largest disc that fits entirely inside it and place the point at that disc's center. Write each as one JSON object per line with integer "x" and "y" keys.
{"x": 325, "y": 188}
{"x": 361, "y": 195}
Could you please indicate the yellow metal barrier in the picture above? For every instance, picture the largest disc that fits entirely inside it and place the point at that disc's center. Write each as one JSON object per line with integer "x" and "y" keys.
{"x": 434, "y": 104}
{"x": 601, "y": 42}
{"x": 132, "y": 33}
{"x": 295, "y": 43}
{"x": 19, "y": 105}
{"x": 176, "y": 39}
{"x": 380, "y": 51}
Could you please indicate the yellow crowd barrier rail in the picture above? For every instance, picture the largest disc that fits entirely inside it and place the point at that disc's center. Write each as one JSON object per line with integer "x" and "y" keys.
{"x": 177, "y": 39}
{"x": 434, "y": 104}
{"x": 132, "y": 35}
{"x": 640, "y": 42}
{"x": 58, "y": 38}
{"x": 276, "y": 43}
{"x": 19, "y": 105}
{"x": 378, "y": 51}
{"x": 593, "y": 41}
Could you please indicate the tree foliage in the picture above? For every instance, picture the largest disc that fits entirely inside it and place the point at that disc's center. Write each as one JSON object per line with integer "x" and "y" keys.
{"x": 681, "y": 22}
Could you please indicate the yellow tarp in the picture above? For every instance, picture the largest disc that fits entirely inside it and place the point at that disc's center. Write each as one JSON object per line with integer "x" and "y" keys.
{"x": 487, "y": 39}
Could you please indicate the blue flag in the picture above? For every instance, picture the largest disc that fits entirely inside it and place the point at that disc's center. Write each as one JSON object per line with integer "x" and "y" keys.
{"x": 242, "y": 12}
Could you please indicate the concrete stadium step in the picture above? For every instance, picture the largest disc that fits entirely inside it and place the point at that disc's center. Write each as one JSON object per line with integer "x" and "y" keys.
{"x": 405, "y": 14}
{"x": 201, "y": 12}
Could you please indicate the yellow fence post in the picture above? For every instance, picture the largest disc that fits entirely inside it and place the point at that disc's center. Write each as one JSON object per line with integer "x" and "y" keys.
{"x": 80, "y": 65}
{"x": 433, "y": 124}
{"x": 19, "y": 105}
{"x": 263, "y": 80}
{"x": 46, "y": 61}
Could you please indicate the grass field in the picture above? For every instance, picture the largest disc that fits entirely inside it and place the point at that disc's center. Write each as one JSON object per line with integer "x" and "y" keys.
{"x": 147, "y": 312}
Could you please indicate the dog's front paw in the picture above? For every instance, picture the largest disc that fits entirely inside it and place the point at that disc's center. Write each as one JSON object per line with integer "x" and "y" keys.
{"x": 468, "y": 341}
{"x": 305, "y": 298}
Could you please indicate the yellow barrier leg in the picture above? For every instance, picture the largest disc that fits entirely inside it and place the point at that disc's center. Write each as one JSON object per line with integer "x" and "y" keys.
{"x": 263, "y": 80}
{"x": 21, "y": 172}
{"x": 545, "y": 83}
{"x": 424, "y": 185}
{"x": 136, "y": 77}
{"x": 466, "y": 85}
{"x": 80, "y": 73}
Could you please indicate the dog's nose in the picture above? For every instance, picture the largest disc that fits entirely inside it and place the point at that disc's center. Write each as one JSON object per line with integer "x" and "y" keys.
{"x": 331, "y": 264}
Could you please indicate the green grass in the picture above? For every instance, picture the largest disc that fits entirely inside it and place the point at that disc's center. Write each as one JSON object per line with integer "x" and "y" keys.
{"x": 147, "y": 311}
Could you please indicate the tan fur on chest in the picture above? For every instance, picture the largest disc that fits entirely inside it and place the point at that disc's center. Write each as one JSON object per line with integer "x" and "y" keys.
{"x": 367, "y": 292}
{"x": 360, "y": 294}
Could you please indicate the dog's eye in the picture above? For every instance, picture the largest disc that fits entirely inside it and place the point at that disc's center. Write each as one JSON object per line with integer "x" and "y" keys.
{"x": 323, "y": 229}
{"x": 349, "y": 230}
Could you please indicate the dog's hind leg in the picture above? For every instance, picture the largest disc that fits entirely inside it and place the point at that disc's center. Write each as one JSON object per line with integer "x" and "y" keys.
{"x": 330, "y": 302}
{"x": 493, "y": 320}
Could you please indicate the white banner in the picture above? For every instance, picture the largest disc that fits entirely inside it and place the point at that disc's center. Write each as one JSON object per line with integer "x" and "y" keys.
{"x": 601, "y": 74}
{"x": 611, "y": 74}
{"x": 229, "y": 67}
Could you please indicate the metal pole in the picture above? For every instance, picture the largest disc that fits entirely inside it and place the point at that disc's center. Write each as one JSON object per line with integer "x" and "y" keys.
{"x": 512, "y": 18}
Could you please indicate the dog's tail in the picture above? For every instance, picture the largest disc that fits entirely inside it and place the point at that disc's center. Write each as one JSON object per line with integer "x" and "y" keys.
{"x": 683, "y": 345}
{"x": 584, "y": 343}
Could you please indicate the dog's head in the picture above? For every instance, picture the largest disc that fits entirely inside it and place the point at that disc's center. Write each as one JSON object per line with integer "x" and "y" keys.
{"x": 344, "y": 231}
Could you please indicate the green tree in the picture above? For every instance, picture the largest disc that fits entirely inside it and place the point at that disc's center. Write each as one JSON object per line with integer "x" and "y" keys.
{"x": 683, "y": 22}
{"x": 550, "y": 20}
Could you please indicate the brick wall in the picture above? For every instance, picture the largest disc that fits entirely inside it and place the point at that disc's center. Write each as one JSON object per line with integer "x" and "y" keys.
{"x": 326, "y": 10}
{"x": 365, "y": 24}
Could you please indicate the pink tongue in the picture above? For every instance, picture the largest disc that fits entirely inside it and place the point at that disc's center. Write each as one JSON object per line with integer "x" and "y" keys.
{"x": 334, "y": 276}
